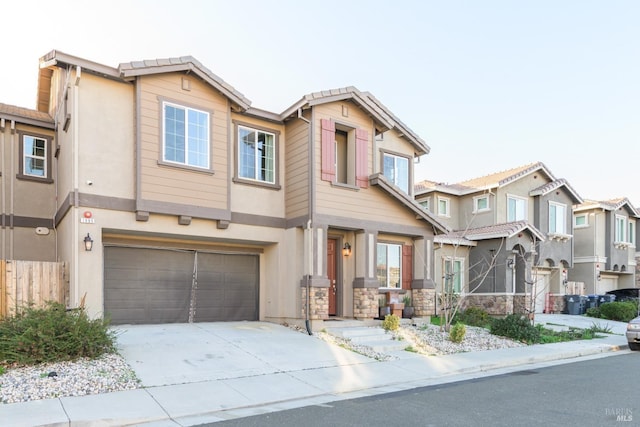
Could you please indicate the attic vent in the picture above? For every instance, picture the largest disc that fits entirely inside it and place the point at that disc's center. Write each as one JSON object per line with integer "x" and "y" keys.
{"x": 345, "y": 111}
{"x": 186, "y": 84}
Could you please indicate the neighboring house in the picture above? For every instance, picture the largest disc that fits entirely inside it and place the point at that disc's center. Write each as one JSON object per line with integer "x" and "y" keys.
{"x": 511, "y": 243}
{"x": 605, "y": 242}
{"x": 202, "y": 208}
{"x": 27, "y": 147}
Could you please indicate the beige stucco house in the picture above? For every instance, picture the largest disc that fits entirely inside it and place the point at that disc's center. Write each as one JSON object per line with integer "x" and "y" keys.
{"x": 199, "y": 207}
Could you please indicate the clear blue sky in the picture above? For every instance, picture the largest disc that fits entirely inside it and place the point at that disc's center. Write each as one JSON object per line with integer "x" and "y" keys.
{"x": 490, "y": 85}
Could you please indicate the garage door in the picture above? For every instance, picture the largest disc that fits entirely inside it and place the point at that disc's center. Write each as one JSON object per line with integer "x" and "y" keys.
{"x": 144, "y": 286}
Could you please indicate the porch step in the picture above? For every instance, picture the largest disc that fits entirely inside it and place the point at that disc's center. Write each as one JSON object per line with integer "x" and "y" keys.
{"x": 370, "y": 335}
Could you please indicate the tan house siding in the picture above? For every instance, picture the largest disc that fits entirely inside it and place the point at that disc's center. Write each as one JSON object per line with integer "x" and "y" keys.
{"x": 296, "y": 164}
{"x": 177, "y": 185}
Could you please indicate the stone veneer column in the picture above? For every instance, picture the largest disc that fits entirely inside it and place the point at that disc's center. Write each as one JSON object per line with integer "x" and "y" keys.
{"x": 423, "y": 287}
{"x": 365, "y": 284}
{"x": 316, "y": 279}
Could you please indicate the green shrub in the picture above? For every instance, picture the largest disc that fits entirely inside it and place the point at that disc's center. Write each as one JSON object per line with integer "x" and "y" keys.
{"x": 391, "y": 322}
{"x": 474, "y": 316}
{"x": 457, "y": 332}
{"x": 593, "y": 312}
{"x": 622, "y": 311}
{"x": 52, "y": 334}
{"x": 516, "y": 327}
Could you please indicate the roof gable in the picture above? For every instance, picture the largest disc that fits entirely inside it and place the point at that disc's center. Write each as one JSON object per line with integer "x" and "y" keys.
{"x": 608, "y": 205}
{"x": 556, "y": 185}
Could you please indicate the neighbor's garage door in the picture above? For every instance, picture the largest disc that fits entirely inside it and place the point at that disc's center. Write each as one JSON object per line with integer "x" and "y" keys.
{"x": 143, "y": 285}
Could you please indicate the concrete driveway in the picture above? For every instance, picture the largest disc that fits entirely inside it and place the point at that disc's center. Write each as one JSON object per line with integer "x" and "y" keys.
{"x": 171, "y": 354}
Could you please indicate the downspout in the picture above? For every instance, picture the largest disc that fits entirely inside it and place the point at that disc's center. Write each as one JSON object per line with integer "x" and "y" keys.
{"x": 11, "y": 186}
{"x": 74, "y": 185}
{"x": 307, "y": 321}
{"x": 2, "y": 148}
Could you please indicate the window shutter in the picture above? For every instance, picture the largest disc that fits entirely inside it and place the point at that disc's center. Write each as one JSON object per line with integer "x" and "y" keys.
{"x": 362, "y": 141}
{"x": 407, "y": 266}
{"x": 328, "y": 139}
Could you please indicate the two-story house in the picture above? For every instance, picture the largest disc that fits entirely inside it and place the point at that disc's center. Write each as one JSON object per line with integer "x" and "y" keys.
{"x": 179, "y": 202}
{"x": 511, "y": 243}
{"x": 605, "y": 235}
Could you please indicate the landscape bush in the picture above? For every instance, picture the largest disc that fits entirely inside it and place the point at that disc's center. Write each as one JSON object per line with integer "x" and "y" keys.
{"x": 594, "y": 312}
{"x": 391, "y": 322}
{"x": 474, "y": 316}
{"x": 622, "y": 311}
{"x": 457, "y": 332}
{"x": 53, "y": 334}
{"x": 516, "y": 327}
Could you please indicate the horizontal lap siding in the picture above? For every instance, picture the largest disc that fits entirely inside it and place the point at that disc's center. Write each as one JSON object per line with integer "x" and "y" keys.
{"x": 296, "y": 166}
{"x": 177, "y": 185}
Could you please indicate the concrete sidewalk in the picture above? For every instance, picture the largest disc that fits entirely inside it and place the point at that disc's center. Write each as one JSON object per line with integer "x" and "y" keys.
{"x": 207, "y": 372}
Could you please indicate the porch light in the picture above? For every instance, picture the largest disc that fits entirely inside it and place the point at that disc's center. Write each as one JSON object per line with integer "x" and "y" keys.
{"x": 510, "y": 263}
{"x": 346, "y": 250}
{"x": 88, "y": 243}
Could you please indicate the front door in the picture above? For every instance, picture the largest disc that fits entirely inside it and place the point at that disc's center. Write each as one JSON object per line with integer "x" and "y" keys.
{"x": 331, "y": 273}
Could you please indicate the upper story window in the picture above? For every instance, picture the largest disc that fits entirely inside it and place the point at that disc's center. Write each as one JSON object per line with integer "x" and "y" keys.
{"x": 621, "y": 228}
{"x": 516, "y": 208}
{"x": 35, "y": 157}
{"x": 444, "y": 206}
{"x": 557, "y": 218}
{"x": 480, "y": 204}
{"x": 389, "y": 265}
{"x": 396, "y": 169}
{"x": 632, "y": 233}
{"x": 344, "y": 154}
{"x": 425, "y": 204}
{"x": 580, "y": 220}
{"x": 186, "y": 136}
{"x": 256, "y": 155}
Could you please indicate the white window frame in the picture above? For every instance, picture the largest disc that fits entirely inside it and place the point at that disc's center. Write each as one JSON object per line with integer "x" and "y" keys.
{"x": 447, "y": 205}
{"x": 575, "y": 220}
{"x": 525, "y": 208}
{"x": 387, "y": 283}
{"x": 425, "y": 204}
{"x": 632, "y": 233}
{"x": 257, "y": 158}
{"x": 452, "y": 261}
{"x": 621, "y": 229}
{"x": 476, "y": 201}
{"x": 188, "y": 161}
{"x": 27, "y": 157}
{"x": 396, "y": 177}
{"x": 561, "y": 222}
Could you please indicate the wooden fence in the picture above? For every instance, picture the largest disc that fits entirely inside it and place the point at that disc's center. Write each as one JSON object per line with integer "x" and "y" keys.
{"x": 34, "y": 283}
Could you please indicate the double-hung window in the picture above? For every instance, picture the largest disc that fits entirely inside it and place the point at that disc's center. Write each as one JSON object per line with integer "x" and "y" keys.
{"x": 34, "y": 156}
{"x": 621, "y": 228}
{"x": 396, "y": 170}
{"x": 389, "y": 265}
{"x": 444, "y": 206}
{"x": 453, "y": 275}
{"x": 516, "y": 208}
{"x": 256, "y": 155}
{"x": 186, "y": 136}
{"x": 632, "y": 233}
{"x": 557, "y": 218}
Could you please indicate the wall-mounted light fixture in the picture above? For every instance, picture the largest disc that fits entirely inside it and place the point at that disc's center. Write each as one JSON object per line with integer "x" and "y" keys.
{"x": 346, "y": 250}
{"x": 88, "y": 242}
{"x": 510, "y": 263}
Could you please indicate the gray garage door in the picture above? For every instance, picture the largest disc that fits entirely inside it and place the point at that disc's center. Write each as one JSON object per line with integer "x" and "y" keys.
{"x": 144, "y": 286}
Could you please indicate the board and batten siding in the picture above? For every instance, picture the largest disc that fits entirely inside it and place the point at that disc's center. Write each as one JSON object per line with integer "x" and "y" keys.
{"x": 175, "y": 184}
{"x": 297, "y": 168}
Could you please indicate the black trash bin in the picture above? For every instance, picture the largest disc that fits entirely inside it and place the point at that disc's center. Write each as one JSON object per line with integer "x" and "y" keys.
{"x": 606, "y": 298}
{"x": 573, "y": 304}
{"x": 592, "y": 302}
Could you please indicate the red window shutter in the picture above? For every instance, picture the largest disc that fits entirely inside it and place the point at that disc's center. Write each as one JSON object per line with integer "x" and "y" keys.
{"x": 362, "y": 166}
{"x": 407, "y": 266}
{"x": 328, "y": 139}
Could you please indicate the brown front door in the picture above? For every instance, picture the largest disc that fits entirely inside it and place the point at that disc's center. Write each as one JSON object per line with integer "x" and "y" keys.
{"x": 331, "y": 273}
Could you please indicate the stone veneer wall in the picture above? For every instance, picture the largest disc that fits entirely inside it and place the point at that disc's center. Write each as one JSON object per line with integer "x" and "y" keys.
{"x": 521, "y": 303}
{"x": 557, "y": 303}
{"x": 494, "y": 304}
{"x": 365, "y": 303}
{"x": 424, "y": 302}
{"x": 319, "y": 303}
